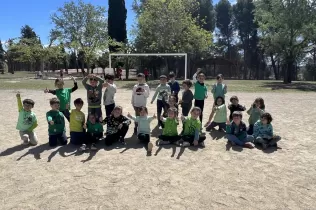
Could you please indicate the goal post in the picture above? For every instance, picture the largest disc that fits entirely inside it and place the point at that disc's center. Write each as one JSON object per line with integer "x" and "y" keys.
{"x": 185, "y": 55}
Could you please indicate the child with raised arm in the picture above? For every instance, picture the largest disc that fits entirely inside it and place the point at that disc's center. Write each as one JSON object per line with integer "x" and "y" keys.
{"x": 191, "y": 131}
{"x": 108, "y": 97}
{"x": 143, "y": 129}
{"x": 94, "y": 95}
{"x": 219, "y": 89}
{"x": 174, "y": 85}
{"x": 63, "y": 94}
{"x": 263, "y": 132}
{"x": 56, "y": 124}
{"x": 200, "y": 93}
{"x": 170, "y": 132}
{"x": 140, "y": 94}
{"x": 117, "y": 126}
{"x": 237, "y": 132}
{"x": 235, "y": 106}
{"x": 94, "y": 132}
{"x": 255, "y": 112}
{"x": 27, "y": 121}
{"x": 187, "y": 97}
{"x": 220, "y": 115}
{"x": 162, "y": 91}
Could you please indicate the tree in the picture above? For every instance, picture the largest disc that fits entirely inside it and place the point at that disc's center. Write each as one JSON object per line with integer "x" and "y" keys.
{"x": 205, "y": 15}
{"x": 117, "y": 22}
{"x": 84, "y": 27}
{"x": 27, "y": 32}
{"x": 287, "y": 26}
{"x": 1, "y": 58}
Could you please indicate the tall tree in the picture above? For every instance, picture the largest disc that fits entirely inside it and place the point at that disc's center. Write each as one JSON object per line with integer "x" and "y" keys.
{"x": 1, "y": 58}
{"x": 27, "y": 32}
{"x": 205, "y": 15}
{"x": 117, "y": 22}
{"x": 288, "y": 26}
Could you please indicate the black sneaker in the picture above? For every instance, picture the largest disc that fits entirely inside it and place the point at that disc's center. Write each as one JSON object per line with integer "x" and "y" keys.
{"x": 122, "y": 140}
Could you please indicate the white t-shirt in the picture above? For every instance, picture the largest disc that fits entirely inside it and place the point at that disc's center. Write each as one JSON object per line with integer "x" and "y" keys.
{"x": 140, "y": 94}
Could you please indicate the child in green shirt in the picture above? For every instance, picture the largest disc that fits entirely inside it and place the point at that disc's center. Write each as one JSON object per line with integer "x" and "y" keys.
{"x": 220, "y": 115}
{"x": 191, "y": 131}
{"x": 27, "y": 121}
{"x": 200, "y": 93}
{"x": 56, "y": 124}
{"x": 63, "y": 94}
{"x": 94, "y": 133}
{"x": 170, "y": 132}
{"x": 219, "y": 89}
{"x": 255, "y": 112}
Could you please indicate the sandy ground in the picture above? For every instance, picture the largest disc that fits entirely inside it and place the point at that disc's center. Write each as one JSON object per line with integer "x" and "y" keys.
{"x": 172, "y": 178}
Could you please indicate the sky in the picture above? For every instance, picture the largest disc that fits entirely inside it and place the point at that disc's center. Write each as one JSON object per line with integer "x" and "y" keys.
{"x": 36, "y": 13}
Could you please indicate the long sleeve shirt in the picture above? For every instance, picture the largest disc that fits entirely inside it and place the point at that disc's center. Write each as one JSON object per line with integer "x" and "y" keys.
{"x": 220, "y": 114}
{"x": 174, "y": 86}
{"x": 143, "y": 124}
{"x": 94, "y": 94}
{"x": 162, "y": 91}
{"x": 109, "y": 93}
{"x": 113, "y": 123}
{"x": 219, "y": 90}
{"x": 240, "y": 131}
{"x": 64, "y": 96}
{"x": 140, "y": 94}
{"x": 254, "y": 115}
{"x": 192, "y": 127}
{"x": 234, "y": 108}
{"x": 200, "y": 92}
{"x": 27, "y": 120}
{"x": 263, "y": 131}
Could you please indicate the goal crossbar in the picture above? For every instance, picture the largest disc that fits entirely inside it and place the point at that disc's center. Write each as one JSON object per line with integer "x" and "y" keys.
{"x": 153, "y": 54}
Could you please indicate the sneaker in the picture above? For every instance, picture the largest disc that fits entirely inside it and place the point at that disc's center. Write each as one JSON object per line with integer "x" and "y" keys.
{"x": 265, "y": 146}
{"x": 93, "y": 147}
{"x": 202, "y": 144}
{"x": 150, "y": 147}
{"x": 164, "y": 142}
{"x": 185, "y": 144}
{"x": 83, "y": 148}
{"x": 248, "y": 145}
{"x": 122, "y": 140}
{"x": 25, "y": 139}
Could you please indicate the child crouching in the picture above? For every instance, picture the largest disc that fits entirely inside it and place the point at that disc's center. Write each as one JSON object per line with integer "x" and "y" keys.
{"x": 94, "y": 132}
{"x": 170, "y": 132}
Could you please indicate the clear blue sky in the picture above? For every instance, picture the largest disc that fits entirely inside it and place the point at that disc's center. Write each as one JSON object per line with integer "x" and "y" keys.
{"x": 36, "y": 13}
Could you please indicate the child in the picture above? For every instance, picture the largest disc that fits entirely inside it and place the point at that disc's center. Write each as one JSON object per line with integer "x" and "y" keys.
{"x": 235, "y": 106}
{"x": 117, "y": 126}
{"x": 172, "y": 103}
{"x": 56, "y": 124}
{"x": 195, "y": 75}
{"x": 63, "y": 94}
{"x": 77, "y": 120}
{"x": 191, "y": 131}
{"x": 263, "y": 132}
{"x": 27, "y": 121}
{"x": 170, "y": 132}
{"x": 94, "y": 95}
{"x": 187, "y": 97}
{"x": 237, "y": 132}
{"x": 200, "y": 93}
{"x": 174, "y": 85}
{"x": 219, "y": 89}
{"x": 143, "y": 129}
{"x": 140, "y": 94}
{"x": 163, "y": 91}
{"x": 255, "y": 111}
{"x": 94, "y": 133}
{"x": 108, "y": 97}
{"x": 220, "y": 118}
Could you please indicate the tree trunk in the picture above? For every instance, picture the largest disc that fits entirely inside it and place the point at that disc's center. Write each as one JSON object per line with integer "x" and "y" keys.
{"x": 289, "y": 72}
{"x": 126, "y": 68}
{"x": 276, "y": 72}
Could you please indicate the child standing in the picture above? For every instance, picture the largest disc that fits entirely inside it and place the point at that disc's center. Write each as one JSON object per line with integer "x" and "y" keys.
{"x": 162, "y": 91}
{"x": 219, "y": 89}
{"x": 108, "y": 97}
{"x": 200, "y": 93}
{"x": 174, "y": 86}
{"x": 63, "y": 94}
{"x": 195, "y": 75}
{"x": 191, "y": 131}
{"x": 94, "y": 95}
{"x": 117, "y": 126}
{"x": 255, "y": 111}
{"x": 94, "y": 132}
{"x": 27, "y": 121}
{"x": 220, "y": 118}
{"x": 237, "y": 132}
{"x": 187, "y": 97}
{"x": 170, "y": 132}
{"x": 235, "y": 106}
{"x": 263, "y": 132}
{"x": 56, "y": 124}
{"x": 140, "y": 94}
{"x": 143, "y": 129}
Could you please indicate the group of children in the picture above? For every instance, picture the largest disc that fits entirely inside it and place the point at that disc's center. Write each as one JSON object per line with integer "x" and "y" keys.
{"x": 88, "y": 132}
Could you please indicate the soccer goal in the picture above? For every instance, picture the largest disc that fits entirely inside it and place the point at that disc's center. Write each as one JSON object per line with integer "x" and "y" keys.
{"x": 185, "y": 55}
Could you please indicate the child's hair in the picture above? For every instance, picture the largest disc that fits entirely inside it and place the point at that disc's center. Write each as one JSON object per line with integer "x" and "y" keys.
{"x": 173, "y": 98}
{"x": 219, "y": 76}
{"x": 117, "y": 108}
{"x": 267, "y": 116}
{"x": 196, "y": 109}
{"x": 172, "y": 74}
{"x": 237, "y": 114}
{"x": 201, "y": 74}
{"x": 54, "y": 101}
{"x": 187, "y": 82}
{"x": 163, "y": 77}
{"x": 143, "y": 108}
{"x": 109, "y": 77}
{"x": 78, "y": 101}
{"x": 59, "y": 80}
{"x": 219, "y": 97}
{"x": 29, "y": 101}
{"x": 261, "y": 101}
{"x": 140, "y": 75}
{"x": 174, "y": 110}
{"x": 233, "y": 98}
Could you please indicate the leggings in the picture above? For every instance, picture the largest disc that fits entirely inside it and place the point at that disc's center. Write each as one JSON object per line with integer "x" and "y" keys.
{"x": 112, "y": 138}
{"x": 190, "y": 139}
{"x": 200, "y": 104}
{"x": 171, "y": 139}
{"x": 143, "y": 138}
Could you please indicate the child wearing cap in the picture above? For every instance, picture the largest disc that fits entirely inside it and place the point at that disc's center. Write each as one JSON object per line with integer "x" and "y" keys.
{"x": 162, "y": 91}
{"x": 140, "y": 94}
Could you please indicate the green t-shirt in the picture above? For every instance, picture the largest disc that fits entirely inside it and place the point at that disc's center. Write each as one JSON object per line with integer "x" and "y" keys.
{"x": 170, "y": 128}
{"x": 220, "y": 114}
{"x": 59, "y": 122}
{"x": 190, "y": 126}
{"x": 254, "y": 115}
{"x": 94, "y": 128}
{"x": 27, "y": 121}
{"x": 64, "y": 96}
{"x": 200, "y": 91}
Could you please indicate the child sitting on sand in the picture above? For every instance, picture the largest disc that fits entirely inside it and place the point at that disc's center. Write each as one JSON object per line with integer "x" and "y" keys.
{"x": 255, "y": 111}
{"x": 235, "y": 106}
{"x": 220, "y": 112}
{"x": 170, "y": 132}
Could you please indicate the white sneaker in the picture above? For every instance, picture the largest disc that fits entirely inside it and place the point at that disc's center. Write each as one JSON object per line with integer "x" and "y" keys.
{"x": 83, "y": 148}
{"x": 150, "y": 147}
{"x": 25, "y": 139}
